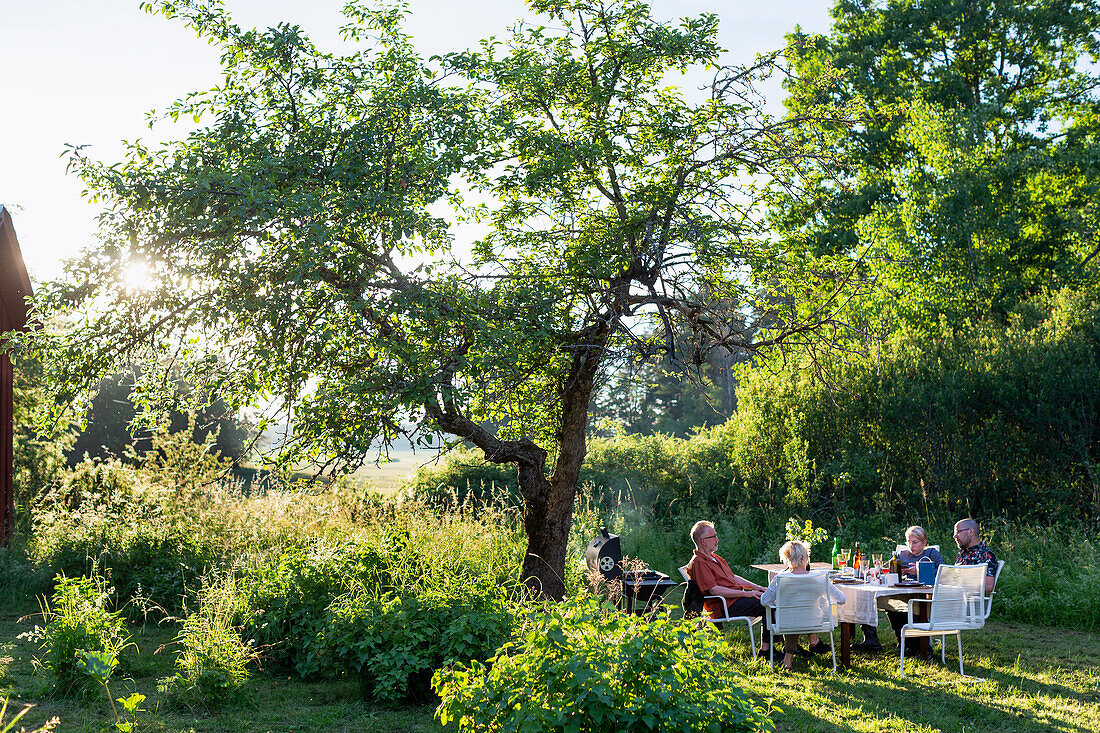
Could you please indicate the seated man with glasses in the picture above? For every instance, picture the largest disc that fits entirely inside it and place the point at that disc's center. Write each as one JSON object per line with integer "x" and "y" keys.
{"x": 973, "y": 551}
{"x": 715, "y": 578}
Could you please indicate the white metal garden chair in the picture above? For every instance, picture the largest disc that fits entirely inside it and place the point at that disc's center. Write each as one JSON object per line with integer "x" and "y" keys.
{"x": 958, "y": 604}
{"x": 803, "y": 605}
{"x": 748, "y": 620}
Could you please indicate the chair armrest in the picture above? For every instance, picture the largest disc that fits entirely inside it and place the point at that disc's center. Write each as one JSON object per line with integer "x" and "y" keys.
{"x": 909, "y": 605}
{"x": 987, "y": 604}
{"x": 725, "y": 605}
{"x": 976, "y": 605}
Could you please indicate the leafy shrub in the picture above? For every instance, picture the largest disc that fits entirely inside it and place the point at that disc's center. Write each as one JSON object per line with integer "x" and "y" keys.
{"x": 213, "y": 661}
{"x": 394, "y": 643}
{"x": 584, "y": 666}
{"x": 284, "y": 603}
{"x": 995, "y": 419}
{"x": 76, "y": 621}
{"x": 132, "y": 524}
{"x": 143, "y": 555}
{"x": 667, "y": 473}
{"x": 107, "y": 488}
{"x": 671, "y": 475}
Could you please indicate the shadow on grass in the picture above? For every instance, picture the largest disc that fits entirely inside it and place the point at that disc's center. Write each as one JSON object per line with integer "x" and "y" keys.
{"x": 1024, "y": 688}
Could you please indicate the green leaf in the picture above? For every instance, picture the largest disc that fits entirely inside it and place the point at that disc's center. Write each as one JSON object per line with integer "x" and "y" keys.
{"x": 97, "y": 665}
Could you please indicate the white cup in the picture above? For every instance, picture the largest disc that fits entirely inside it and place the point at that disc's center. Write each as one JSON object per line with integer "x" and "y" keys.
{"x": 891, "y": 578}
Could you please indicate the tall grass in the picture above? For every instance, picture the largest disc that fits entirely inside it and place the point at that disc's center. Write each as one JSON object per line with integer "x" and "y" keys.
{"x": 159, "y": 550}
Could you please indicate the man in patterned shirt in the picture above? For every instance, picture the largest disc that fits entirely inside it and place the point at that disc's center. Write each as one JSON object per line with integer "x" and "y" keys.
{"x": 972, "y": 551}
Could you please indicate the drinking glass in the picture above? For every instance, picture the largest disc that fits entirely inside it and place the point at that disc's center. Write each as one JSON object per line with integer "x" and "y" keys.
{"x": 842, "y": 559}
{"x": 876, "y": 560}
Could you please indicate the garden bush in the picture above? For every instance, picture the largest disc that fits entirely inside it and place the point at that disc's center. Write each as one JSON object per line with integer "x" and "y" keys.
{"x": 76, "y": 620}
{"x": 140, "y": 526}
{"x": 671, "y": 475}
{"x": 666, "y": 473}
{"x": 283, "y": 608}
{"x": 584, "y": 666}
{"x": 146, "y": 556}
{"x": 389, "y": 610}
{"x": 394, "y": 643}
{"x": 463, "y": 480}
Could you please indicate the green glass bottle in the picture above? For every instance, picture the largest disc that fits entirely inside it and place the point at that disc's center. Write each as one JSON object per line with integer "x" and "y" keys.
{"x": 836, "y": 551}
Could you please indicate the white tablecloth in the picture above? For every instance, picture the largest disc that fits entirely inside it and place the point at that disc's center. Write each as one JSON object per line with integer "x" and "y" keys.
{"x": 861, "y": 601}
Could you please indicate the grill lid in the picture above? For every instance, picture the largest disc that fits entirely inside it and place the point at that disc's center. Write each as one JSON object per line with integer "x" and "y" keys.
{"x": 605, "y": 555}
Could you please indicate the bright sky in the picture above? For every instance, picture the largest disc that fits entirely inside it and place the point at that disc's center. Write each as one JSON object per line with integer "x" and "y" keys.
{"x": 86, "y": 72}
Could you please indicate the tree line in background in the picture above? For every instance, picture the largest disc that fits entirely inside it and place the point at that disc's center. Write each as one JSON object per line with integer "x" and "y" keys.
{"x": 967, "y": 195}
{"x": 994, "y": 422}
{"x": 106, "y": 431}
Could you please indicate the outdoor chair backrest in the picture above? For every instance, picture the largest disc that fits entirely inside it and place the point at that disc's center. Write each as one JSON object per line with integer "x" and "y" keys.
{"x": 958, "y": 598}
{"x": 902, "y": 548}
{"x": 802, "y": 604}
{"x": 989, "y": 596}
{"x": 693, "y": 597}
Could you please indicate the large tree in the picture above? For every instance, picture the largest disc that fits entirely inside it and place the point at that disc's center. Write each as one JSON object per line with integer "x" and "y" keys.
{"x": 971, "y": 182}
{"x": 300, "y": 256}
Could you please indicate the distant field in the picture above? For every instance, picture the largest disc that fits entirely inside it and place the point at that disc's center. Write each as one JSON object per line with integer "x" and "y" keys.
{"x": 385, "y": 478}
{"x": 388, "y": 476}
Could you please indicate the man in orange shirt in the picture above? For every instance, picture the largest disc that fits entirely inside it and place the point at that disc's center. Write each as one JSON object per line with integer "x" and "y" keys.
{"x": 713, "y": 576}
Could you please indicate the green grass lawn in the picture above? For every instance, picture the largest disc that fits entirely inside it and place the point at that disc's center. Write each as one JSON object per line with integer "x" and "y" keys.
{"x": 1036, "y": 679}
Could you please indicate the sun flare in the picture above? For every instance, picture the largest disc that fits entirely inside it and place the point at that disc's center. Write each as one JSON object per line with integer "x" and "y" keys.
{"x": 137, "y": 276}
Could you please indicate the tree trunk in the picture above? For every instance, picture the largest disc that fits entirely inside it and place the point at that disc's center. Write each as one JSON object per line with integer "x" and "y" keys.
{"x": 548, "y": 503}
{"x": 547, "y": 513}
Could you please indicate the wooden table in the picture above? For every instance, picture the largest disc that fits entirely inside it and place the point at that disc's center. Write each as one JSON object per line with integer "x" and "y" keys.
{"x": 775, "y": 567}
{"x": 858, "y": 610}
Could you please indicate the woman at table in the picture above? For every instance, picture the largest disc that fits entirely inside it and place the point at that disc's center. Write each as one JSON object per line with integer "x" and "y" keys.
{"x": 916, "y": 540}
{"x": 795, "y": 556}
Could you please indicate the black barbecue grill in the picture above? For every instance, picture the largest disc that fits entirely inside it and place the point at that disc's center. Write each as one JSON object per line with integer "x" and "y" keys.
{"x": 645, "y": 587}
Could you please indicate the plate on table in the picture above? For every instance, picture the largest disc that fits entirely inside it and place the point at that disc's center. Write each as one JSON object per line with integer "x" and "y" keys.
{"x": 909, "y": 584}
{"x": 841, "y": 580}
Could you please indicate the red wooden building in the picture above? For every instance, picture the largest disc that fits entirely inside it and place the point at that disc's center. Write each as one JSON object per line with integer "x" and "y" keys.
{"x": 15, "y": 287}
